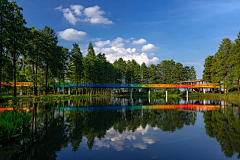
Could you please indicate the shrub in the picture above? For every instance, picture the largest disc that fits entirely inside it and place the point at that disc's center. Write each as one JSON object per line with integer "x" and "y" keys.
{"x": 11, "y": 122}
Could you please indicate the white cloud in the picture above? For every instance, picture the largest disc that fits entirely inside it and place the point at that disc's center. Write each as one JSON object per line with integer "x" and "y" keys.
{"x": 68, "y": 14}
{"x": 140, "y": 138}
{"x": 77, "y": 13}
{"x": 77, "y": 9}
{"x": 154, "y": 60}
{"x": 94, "y": 15}
{"x": 149, "y": 47}
{"x": 71, "y": 34}
{"x": 140, "y": 146}
{"x": 148, "y": 140}
{"x": 117, "y": 42}
{"x": 102, "y": 43}
{"x": 114, "y": 53}
{"x": 140, "y": 41}
{"x": 152, "y": 54}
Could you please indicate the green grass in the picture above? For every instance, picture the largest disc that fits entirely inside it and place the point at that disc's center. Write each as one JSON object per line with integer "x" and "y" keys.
{"x": 232, "y": 97}
{"x": 50, "y": 97}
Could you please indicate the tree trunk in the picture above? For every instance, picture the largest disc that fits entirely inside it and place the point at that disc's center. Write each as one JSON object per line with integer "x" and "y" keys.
{"x": 77, "y": 86}
{"x": 14, "y": 76}
{"x": 59, "y": 86}
{"x": 54, "y": 87}
{"x": 224, "y": 88}
{"x": 33, "y": 78}
{"x": 35, "y": 90}
{"x": 238, "y": 84}
{"x": 63, "y": 86}
{"x": 1, "y": 52}
{"x": 46, "y": 80}
{"x": 219, "y": 87}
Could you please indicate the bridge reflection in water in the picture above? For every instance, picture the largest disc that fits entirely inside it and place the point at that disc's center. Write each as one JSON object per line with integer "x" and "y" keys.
{"x": 183, "y": 107}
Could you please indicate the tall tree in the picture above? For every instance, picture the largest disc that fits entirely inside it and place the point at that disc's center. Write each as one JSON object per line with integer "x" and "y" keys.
{"x": 207, "y": 69}
{"x": 17, "y": 34}
{"x": 91, "y": 51}
{"x": 221, "y": 67}
{"x": 76, "y": 63}
{"x": 235, "y": 61}
{"x": 50, "y": 45}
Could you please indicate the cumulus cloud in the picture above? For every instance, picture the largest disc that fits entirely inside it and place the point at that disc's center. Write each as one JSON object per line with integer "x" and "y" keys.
{"x": 148, "y": 140}
{"x": 102, "y": 43}
{"x": 117, "y": 42}
{"x": 77, "y": 13}
{"x": 115, "y": 49}
{"x": 140, "y": 41}
{"x": 71, "y": 34}
{"x": 77, "y": 9}
{"x": 94, "y": 15}
{"x": 148, "y": 47}
{"x": 140, "y": 138}
{"x": 114, "y": 53}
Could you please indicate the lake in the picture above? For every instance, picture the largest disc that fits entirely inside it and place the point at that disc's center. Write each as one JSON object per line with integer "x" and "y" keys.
{"x": 129, "y": 129}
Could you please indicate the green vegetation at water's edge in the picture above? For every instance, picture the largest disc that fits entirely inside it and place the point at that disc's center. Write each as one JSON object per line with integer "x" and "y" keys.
{"x": 171, "y": 94}
{"x": 48, "y": 98}
{"x": 232, "y": 97}
{"x": 11, "y": 123}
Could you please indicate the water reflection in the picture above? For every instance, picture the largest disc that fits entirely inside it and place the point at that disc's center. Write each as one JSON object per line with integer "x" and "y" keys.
{"x": 125, "y": 125}
{"x": 224, "y": 125}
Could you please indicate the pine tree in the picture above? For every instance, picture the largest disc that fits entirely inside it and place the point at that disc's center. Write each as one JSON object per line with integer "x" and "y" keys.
{"x": 235, "y": 61}
{"x": 91, "y": 51}
{"x": 207, "y": 69}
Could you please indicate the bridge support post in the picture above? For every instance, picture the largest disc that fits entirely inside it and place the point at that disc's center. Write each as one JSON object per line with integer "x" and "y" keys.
{"x": 111, "y": 96}
{"x": 91, "y": 96}
{"x": 69, "y": 90}
{"x": 20, "y": 92}
{"x": 149, "y": 95}
{"x": 187, "y": 95}
{"x": 131, "y": 93}
{"x": 69, "y": 103}
{"x": 204, "y": 90}
{"x": 166, "y": 95}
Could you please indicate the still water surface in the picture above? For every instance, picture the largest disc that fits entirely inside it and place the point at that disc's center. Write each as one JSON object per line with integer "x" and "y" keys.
{"x": 124, "y": 129}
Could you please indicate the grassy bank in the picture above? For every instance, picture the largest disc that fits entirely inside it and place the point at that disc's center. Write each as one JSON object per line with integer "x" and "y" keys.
{"x": 49, "y": 97}
{"x": 232, "y": 97}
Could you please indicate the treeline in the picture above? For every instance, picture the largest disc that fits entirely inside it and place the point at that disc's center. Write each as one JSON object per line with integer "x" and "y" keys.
{"x": 33, "y": 55}
{"x": 166, "y": 72}
{"x": 224, "y": 66}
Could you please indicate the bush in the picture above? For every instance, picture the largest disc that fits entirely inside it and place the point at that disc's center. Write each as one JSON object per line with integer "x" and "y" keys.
{"x": 11, "y": 122}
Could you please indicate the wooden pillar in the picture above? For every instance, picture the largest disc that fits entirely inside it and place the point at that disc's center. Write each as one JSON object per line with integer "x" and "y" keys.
{"x": 166, "y": 95}
{"x": 69, "y": 90}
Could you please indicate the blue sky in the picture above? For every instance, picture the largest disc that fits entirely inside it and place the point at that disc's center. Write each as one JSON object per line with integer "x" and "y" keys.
{"x": 186, "y": 31}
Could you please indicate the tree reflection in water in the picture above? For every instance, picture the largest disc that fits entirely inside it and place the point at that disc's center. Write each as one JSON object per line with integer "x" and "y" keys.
{"x": 224, "y": 125}
{"x": 54, "y": 127}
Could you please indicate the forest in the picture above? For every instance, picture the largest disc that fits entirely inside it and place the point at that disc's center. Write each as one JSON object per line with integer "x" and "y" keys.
{"x": 224, "y": 66}
{"x": 34, "y": 55}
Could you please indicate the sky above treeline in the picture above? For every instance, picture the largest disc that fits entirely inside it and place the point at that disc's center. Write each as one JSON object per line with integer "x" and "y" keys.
{"x": 186, "y": 31}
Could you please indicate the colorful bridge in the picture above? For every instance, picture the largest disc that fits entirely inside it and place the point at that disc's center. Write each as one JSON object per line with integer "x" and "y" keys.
{"x": 118, "y": 85}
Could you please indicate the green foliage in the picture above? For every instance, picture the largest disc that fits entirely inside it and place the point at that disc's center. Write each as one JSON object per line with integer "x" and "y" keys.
{"x": 224, "y": 66}
{"x": 11, "y": 122}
